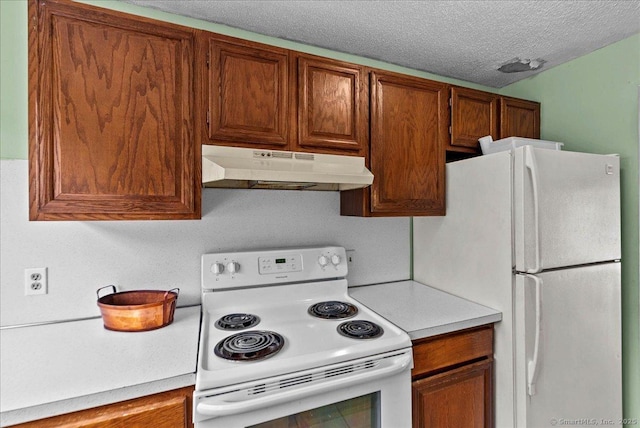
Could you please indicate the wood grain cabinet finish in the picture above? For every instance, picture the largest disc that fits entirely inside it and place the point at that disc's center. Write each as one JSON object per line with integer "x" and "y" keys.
{"x": 248, "y": 94}
{"x": 332, "y": 106}
{"x": 171, "y": 409}
{"x": 474, "y": 114}
{"x": 409, "y": 122}
{"x": 452, "y": 380}
{"x": 110, "y": 116}
{"x": 519, "y": 118}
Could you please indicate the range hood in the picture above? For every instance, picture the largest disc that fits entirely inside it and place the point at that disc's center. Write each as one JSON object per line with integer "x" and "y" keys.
{"x": 242, "y": 168}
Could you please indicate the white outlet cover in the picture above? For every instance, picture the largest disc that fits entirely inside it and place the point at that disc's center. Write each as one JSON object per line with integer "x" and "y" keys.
{"x": 35, "y": 281}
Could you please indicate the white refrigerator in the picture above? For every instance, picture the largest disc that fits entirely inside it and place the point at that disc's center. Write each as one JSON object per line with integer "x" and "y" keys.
{"x": 535, "y": 233}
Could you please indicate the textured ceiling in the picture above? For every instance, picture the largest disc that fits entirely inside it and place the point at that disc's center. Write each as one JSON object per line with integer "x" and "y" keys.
{"x": 467, "y": 40}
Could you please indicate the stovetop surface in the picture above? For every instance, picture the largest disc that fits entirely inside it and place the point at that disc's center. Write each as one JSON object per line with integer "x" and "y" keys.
{"x": 309, "y": 342}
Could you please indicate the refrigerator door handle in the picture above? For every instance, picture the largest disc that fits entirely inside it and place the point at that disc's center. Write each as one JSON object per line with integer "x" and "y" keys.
{"x": 530, "y": 163}
{"x": 532, "y": 364}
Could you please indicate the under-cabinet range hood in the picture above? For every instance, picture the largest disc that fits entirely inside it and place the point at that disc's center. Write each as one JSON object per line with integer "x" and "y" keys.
{"x": 242, "y": 168}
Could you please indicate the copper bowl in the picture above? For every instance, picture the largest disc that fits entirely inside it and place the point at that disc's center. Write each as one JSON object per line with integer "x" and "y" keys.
{"x": 141, "y": 310}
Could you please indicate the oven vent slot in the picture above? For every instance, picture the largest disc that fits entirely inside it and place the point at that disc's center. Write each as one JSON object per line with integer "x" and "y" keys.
{"x": 315, "y": 376}
{"x": 293, "y": 381}
{"x": 339, "y": 371}
{"x": 258, "y": 389}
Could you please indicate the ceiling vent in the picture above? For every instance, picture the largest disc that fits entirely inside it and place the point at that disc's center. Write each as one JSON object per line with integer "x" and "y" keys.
{"x": 518, "y": 65}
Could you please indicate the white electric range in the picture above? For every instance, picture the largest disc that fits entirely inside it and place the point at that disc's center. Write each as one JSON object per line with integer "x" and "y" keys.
{"x": 283, "y": 344}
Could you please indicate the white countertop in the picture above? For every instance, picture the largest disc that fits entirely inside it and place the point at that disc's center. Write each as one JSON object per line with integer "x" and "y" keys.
{"x": 423, "y": 311}
{"x": 58, "y": 368}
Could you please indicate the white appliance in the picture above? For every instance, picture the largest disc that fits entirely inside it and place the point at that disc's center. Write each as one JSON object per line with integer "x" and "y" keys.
{"x": 237, "y": 167}
{"x": 535, "y": 233}
{"x": 276, "y": 346}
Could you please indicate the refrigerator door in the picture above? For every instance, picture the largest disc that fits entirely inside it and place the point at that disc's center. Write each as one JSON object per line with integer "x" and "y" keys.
{"x": 566, "y": 208}
{"x": 568, "y": 347}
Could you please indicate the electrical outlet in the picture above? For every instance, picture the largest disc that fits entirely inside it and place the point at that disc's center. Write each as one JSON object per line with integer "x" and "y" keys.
{"x": 35, "y": 281}
{"x": 350, "y": 256}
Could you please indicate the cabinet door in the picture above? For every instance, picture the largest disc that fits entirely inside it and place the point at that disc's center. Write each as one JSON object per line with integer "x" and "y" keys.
{"x": 332, "y": 106}
{"x": 248, "y": 94}
{"x": 171, "y": 409}
{"x": 110, "y": 116}
{"x": 456, "y": 398}
{"x": 409, "y": 121}
{"x": 519, "y": 118}
{"x": 474, "y": 114}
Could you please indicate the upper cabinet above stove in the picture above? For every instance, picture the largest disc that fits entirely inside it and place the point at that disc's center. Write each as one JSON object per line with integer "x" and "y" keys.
{"x": 110, "y": 116}
{"x": 246, "y": 100}
{"x": 272, "y": 98}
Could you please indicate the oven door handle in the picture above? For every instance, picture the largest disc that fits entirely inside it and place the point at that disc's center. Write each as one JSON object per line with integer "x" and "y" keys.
{"x": 217, "y": 405}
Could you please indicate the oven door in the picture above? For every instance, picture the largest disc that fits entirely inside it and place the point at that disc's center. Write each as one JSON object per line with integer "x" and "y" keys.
{"x": 371, "y": 392}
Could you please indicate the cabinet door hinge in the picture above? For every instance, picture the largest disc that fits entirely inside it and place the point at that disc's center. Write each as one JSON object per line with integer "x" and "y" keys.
{"x": 208, "y": 117}
{"x": 208, "y": 59}
{"x": 450, "y": 102}
{"x": 449, "y": 129}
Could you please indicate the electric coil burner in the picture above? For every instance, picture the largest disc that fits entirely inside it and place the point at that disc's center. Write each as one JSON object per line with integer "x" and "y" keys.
{"x": 270, "y": 348}
{"x": 333, "y": 310}
{"x": 360, "y": 329}
{"x": 249, "y": 345}
{"x": 237, "y": 321}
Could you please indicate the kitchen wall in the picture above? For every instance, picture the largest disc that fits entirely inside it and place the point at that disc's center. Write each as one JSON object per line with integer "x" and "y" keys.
{"x": 591, "y": 104}
{"x": 83, "y": 256}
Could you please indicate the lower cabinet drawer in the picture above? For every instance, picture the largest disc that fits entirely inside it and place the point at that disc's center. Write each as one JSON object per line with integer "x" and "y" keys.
{"x": 437, "y": 353}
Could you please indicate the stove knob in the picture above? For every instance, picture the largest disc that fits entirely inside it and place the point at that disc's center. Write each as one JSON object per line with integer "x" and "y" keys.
{"x": 217, "y": 268}
{"x": 233, "y": 267}
{"x": 323, "y": 261}
{"x": 335, "y": 259}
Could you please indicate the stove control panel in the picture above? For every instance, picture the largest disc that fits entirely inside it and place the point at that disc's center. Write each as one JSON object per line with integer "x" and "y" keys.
{"x": 279, "y": 264}
{"x": 257, "y": 268}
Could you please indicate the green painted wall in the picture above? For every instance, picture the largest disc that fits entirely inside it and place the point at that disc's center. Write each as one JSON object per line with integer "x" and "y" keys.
{"x": 591, "y": 104}
{"x": 13, "y": 80}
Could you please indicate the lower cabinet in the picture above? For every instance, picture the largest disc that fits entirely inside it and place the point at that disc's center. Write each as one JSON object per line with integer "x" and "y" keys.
{"x": 171, "y": 409}
{"x": 453, "y": 379}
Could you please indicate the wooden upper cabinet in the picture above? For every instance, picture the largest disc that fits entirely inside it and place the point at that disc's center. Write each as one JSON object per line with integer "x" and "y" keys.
{"x": 474, "y": 114}
{"x": 332, "y": 106}
{"x": 409, "y": 121}
{"x": 519, "y": 118}
{"x": 110, "y": 116}
{"x": 248, "y": 94}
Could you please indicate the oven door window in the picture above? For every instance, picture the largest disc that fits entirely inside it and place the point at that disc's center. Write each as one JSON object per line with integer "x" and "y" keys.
{"x": 359, "y": 412}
